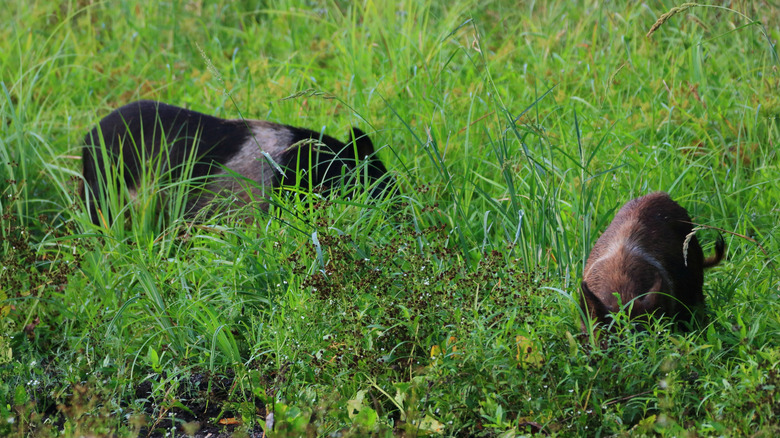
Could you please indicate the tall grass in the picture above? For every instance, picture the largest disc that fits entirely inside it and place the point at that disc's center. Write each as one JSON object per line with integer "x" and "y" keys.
{"x": 514, "y": 132}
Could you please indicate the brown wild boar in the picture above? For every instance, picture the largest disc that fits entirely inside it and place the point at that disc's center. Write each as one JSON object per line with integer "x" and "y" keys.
{"x": 154, "y": 140}
{"x": 641, "y": 257}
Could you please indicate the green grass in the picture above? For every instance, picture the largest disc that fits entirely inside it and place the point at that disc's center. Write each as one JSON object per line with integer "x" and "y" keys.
{"x": 514, "y": 129}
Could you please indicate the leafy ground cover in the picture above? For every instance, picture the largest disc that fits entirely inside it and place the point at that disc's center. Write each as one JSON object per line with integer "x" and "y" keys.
{"x": 514, "y": 131}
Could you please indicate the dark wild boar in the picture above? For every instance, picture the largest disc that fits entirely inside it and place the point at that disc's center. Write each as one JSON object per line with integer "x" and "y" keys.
{"x": 641, "y": 257}
{"x": 155, "y": 140}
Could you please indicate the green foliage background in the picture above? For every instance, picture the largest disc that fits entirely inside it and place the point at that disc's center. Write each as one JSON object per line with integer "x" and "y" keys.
{"x": 515, "y": 129}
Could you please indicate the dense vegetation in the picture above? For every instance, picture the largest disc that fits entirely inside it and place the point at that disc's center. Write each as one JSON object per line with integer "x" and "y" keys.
{"x": 514, "y": 130}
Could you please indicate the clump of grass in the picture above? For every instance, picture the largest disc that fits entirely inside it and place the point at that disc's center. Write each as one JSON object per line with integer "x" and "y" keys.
{"x": 685, "y": 6}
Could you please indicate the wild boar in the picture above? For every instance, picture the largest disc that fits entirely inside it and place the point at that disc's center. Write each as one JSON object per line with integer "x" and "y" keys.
{"x": 155, "y": 140}
{"x": 642, "y": 257}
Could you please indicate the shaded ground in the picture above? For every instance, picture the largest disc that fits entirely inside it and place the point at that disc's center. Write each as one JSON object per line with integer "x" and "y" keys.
{"x": 201, "y": 415}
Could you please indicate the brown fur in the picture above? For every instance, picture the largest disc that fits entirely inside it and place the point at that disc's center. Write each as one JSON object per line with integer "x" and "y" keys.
{"x": 640, "y": 257}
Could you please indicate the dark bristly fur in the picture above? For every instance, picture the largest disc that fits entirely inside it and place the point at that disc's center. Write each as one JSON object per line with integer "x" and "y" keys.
{"x": 640, "y": 256}
{"x": 157, "y": 139}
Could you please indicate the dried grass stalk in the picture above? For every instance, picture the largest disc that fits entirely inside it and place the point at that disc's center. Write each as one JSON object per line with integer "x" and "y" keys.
{"x": 672, "y": 12}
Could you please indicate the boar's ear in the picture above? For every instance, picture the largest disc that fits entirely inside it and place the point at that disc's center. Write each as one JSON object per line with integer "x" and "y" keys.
{"x": 657, "y": 284}
{"x": 588, "y": 298}
{"x": 591, "y": 304}
{"x": 363, "y": 145}
{"x": 648, "y": 302}
{"x": 649, "y": 299}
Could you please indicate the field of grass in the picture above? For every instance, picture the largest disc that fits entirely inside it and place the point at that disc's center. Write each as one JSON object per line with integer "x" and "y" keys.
{"x": 514, "y": 129}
